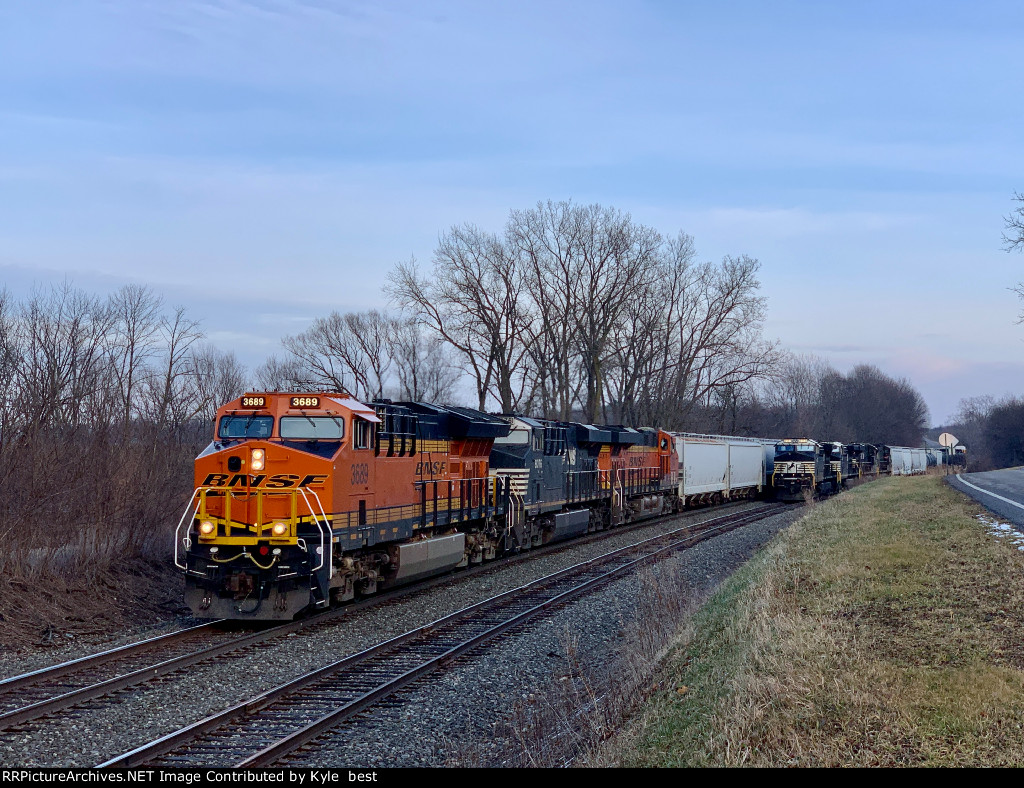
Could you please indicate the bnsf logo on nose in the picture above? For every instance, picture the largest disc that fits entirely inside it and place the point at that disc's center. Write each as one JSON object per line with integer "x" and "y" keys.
{"x": 276, "y": 482}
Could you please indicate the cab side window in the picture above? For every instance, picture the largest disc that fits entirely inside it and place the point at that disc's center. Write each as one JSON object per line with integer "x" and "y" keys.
{"x": 362, "y": 434}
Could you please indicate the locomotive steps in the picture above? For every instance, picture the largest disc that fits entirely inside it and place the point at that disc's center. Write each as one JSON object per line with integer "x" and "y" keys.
{"x": 885, "y": 628}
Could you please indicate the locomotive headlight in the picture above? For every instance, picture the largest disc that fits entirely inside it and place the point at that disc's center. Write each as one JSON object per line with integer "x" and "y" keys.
{"x": 279, "y": 529}
{"x": 257, "y": 459}
{"x": 206, "y": 527}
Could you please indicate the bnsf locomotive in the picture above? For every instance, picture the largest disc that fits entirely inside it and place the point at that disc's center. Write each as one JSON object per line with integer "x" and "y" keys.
{"x": 304, "y": 498}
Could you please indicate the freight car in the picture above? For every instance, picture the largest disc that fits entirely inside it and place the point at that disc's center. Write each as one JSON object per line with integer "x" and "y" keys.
{"x": 906, "y": 461}
{"x": 716, "y": 468}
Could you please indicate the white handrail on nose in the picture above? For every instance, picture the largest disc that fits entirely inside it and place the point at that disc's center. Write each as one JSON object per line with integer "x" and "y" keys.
{"x": 322, "y": 528}
{"x": 177, "y": 530}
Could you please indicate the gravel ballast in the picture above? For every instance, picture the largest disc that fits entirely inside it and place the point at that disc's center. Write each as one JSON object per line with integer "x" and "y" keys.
{"x": 465, "y": 710}
{"x": 471, "y": 711}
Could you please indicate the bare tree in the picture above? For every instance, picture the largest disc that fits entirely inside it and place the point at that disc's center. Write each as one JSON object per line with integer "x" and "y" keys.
{"x": 707, "y": 338}
{"x": 546, "y": 239}
{"x": 474, "y": 300}
{"x": 1013, "y": 234}
{"x": 286, "y": 374}
{"x": 369, "y": 349}
{"x": 75, "y": 372}
{"x": 424, "y": 372}
{"x": 343, "y": 352}
{"x": 971, "y": 427}
{"x": 316, "y": 353}
{"x": 1013, "y": 238}
{"x": 794, "y": 392}
{"x": 63, "y": 356}
{"x": 868, "y": 405}
{"x": 219, "y": 378}
{"x": 580, "y": 307}
{"x": 136, "y": 312}
{"x": 173, "y": 394}
{"x": 587, "y": 265}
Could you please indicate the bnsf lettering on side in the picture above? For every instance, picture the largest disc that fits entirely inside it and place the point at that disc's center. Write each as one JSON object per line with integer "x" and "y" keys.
{"x": 431, "y": 468}
{"x": 278, "y": 481}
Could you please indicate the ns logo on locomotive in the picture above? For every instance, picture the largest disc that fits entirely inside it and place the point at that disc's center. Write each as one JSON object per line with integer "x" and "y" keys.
{"x": 302, "y": 499}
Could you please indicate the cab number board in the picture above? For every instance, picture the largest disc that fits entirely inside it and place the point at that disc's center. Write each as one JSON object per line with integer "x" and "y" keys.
{"x": 305, "y": 402}
{"x": 254, "y": 402}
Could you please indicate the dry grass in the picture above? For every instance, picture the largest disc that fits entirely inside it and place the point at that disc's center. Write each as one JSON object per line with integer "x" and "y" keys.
{"x": 885, "y": 628}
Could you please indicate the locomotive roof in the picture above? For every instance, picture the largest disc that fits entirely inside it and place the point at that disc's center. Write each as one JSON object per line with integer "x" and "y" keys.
{"x": 624, "y": 436}
{"x": 354, "y": 405}
{"x": 589, "y": 433}
{"x": 456, "y": 422}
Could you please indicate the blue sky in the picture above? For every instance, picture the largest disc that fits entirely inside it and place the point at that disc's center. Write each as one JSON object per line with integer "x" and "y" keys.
{"x": 266, "y": 162}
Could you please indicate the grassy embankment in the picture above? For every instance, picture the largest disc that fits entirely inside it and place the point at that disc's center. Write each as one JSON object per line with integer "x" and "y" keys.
{"x": 885, "y": 628}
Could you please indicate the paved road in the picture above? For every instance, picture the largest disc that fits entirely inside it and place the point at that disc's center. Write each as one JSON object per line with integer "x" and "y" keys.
{"x": 1001, "y": 492}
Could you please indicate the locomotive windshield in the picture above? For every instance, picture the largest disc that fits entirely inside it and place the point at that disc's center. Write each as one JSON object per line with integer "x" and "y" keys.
{"x": 802, "y": 450}
{"x": 246, "y": 426}
{"x": 313, "y": 428}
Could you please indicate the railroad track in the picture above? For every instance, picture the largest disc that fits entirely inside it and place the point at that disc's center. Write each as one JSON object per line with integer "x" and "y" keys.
{"x": 29, "y": 697}
{"x": 34, "y": 695}
{"x": 265, "y": 729}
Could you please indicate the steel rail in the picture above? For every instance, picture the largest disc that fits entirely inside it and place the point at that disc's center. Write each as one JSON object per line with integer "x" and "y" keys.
{"x": 250, "y": 709}
{"x": 91, "y": 660}
{"x": 55, "y": 703}
{"x": 294, "y": 741}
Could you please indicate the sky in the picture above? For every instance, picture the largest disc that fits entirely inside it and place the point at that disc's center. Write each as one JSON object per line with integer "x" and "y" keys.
{"x": 264, "y": 163}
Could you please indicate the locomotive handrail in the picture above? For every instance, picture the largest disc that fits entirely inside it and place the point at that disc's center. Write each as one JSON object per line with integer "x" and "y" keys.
{"x": 322, "y": 528}
{"x": 473, "y": 495}
{"x": 574, "y": 484}
{"x": 177, "y": 530}
{"x": 636, "y": 479}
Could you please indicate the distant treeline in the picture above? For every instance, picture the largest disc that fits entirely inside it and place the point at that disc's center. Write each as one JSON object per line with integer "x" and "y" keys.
{"x": 571, "y": 312}
{"x": 806, "y": 397}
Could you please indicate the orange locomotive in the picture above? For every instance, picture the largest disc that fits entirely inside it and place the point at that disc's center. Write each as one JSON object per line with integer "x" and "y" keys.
{"x": 302, "y": 498}
{"x": 642, "y": 465}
